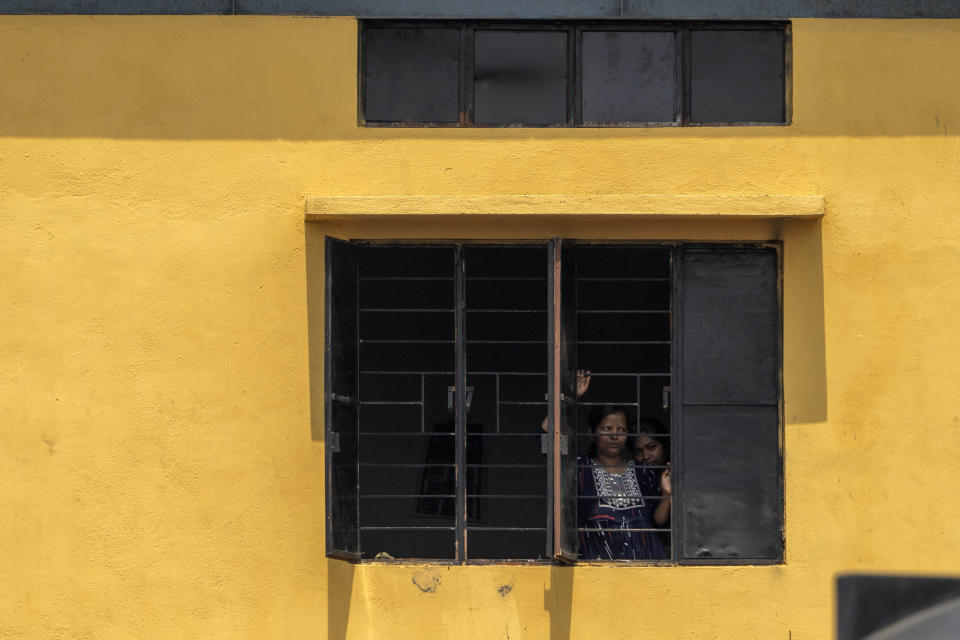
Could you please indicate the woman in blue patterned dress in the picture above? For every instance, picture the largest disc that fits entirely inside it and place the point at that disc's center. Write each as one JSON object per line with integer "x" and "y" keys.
{"x": 619, "y": 502}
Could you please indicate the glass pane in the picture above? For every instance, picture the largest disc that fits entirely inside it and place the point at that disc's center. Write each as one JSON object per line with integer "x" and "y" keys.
{"x": 737, "y": 76}
{"x": 506, "y": 472}
{"x": 520, "y": 77}
{"x": 412, "y": 75}
{"x": 628, "y": 76}
{"x": 407, "y": 446}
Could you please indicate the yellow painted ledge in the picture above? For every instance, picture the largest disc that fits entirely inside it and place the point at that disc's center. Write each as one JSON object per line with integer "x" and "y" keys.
{"x": 654, "y": 206}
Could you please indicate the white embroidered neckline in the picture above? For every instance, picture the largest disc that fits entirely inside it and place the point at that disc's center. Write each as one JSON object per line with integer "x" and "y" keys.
{"x": 617, "y": 490}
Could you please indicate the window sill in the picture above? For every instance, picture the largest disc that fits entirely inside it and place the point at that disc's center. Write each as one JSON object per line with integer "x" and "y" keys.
{"x": 320, "y": 208}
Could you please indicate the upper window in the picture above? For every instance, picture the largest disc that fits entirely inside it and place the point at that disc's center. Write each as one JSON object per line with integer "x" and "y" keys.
{"x": 555, "y": 400}
{"x": 491, "y": 74}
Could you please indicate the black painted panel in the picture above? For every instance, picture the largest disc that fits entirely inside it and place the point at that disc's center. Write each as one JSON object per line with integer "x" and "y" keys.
{"x": 628, "y": 76}
{"x": 731, "y": 488}
{"x": 737, "y": 76}
{"x": 411, "y": 75}
{"x": 731, "y": 327}
{"x": 520, "y": 77}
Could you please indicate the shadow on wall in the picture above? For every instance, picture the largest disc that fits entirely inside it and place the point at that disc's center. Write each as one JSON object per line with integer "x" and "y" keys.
{"x": 340, "y": 577}
{"x": 295, "y": 78}
{"x": 558, "y": 601}
{"x": 804, "y": 340}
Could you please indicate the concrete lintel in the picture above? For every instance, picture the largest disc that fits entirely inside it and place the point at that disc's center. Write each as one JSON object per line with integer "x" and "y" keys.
{"x": 653, "y": 206}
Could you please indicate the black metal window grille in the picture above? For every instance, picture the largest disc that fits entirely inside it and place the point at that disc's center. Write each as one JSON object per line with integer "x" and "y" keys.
{"x": 574, "y": 74}
{"x": 444, "y": 360}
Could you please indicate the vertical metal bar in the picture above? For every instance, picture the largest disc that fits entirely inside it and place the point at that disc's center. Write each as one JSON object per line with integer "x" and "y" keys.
{"x": 552, "y": 320}
{"x": 497, "y": 384}
{"x": 466, "y": 75}
{"x": 555, "y": 387}
{"x": 461, "y": 406}
{"x": 573, "y": 76}
{"x": 686, "y": 81}
{"x": 676, "y": 408}
{"x": 423, "y": 403}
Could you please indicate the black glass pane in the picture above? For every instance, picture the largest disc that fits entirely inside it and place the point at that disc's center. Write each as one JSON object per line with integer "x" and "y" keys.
{"x": 595, "y": 261}
{"x": 428, "y": 544}
{"x": 628, "y": 76}
{"x": 412, "y": 75}
{"x": 737, "y": 76}
{"x": 505, "y": 545}
{"x": 520, "y": 77}
{"x": 406, "y": 262}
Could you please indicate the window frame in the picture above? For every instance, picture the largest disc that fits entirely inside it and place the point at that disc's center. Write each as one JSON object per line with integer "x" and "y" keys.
{"x": 552, "y": 556}
{"x": 575, "y": 29}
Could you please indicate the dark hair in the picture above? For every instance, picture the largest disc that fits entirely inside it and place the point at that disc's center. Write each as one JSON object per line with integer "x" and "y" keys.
{"x": 597, "y": 415}
{"x": 653, "y": 429}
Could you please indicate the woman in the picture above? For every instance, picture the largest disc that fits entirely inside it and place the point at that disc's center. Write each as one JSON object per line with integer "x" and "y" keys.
{"x": 618, "y": 499}
{"x": 650, "y": 447}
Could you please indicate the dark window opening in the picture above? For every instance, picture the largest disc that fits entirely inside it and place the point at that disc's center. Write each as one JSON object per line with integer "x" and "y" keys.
{"x": 462, "y": 423}
{"x": 493, "y": 74}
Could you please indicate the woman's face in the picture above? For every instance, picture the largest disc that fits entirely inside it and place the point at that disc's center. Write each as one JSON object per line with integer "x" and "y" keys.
{"x": 648, "y": 451}
{"x": 610, "y": 435}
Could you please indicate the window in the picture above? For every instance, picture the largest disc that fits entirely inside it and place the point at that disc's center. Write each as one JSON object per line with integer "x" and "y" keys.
{"x": 443, "y": 361}
{"x": 497, "y": 74}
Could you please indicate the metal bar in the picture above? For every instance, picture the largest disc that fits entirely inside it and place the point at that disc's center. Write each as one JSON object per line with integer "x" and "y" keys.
{"x": 496, "y": 383}
{"x": 518, "y": 402}
{"x": 461, "y": 405}
{"x": 506, "y": 342}
{"x": 423, "y": 403}
{"x": 676, "y": 410}
{"x": 379, "y": 372}
{"x": 407, "y": 341}
{"x": 557, "y": 374}
{"x": 365, "y": 403}
{"x": 623, "y": 342}
{"x": 507, "y": 278}
{"x": 616, "y": 279}
{"x": 505, "y": 311}
{"x": 388, "y": 310}
{"x": 405, "y": 278}
{"x": 593, "y": 311}
{"x": 511, "y": 529}
{"x": 402, "y": 528}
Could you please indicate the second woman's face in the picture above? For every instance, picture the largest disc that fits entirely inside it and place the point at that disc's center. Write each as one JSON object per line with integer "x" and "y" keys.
{"x": 611, "y": 434}
{"x": 648, "y": 451}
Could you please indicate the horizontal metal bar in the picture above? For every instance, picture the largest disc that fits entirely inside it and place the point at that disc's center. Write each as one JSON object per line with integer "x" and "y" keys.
{"x": 401, "y": 528}
{"x": 506, "y": 496}
{"x": 506, "y": 373}
{"x": 364, "y": 403}
{"x": 407, "y": 495}
{"x": 520, "y": 403}
{"x": 581, "y": 279}
{"x": 508, "y": 278}
{"x": 364, "y": 341}
{"x": 404, "y": 279}
{"x": 406, "y": 373}
{"x": 474, "y": 528}
{"x": 407, "y": 465}
{"x": 506, "y": 342}
{"x": 422, "y": 434}
{"x": 505, "y": 310}
{"x": 392, "y": 310}
{"x": 506, "y": 466}
{"x": 623, "y": 342}
{"x": 620, "y": 311}
{"x": 652, "y": 374}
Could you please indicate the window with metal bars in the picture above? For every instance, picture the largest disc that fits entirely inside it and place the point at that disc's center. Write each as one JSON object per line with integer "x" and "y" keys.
{"x": 547, "y": 74}
{"x": 442, "y": 361}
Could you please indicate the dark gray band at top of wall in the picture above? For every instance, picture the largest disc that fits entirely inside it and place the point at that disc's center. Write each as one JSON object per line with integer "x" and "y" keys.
{"x": 506, "y": 9}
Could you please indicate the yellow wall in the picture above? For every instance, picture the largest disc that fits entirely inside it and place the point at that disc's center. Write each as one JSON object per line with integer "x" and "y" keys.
{"x": 160, "y": 474}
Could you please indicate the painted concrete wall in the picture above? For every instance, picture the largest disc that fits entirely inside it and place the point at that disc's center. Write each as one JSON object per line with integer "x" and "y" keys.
{"x": 161, "y": 470}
